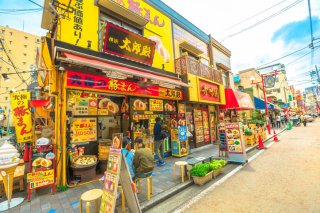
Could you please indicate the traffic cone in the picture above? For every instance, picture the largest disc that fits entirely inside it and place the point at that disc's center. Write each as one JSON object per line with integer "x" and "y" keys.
{"x": 275, "y": 137}
{"x": 260, "y": 143}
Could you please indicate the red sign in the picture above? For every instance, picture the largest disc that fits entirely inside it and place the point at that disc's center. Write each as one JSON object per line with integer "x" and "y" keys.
{"x": 209, "y": 91}
{"x": 123, "y": 43}
{"x": 94, "y": 82}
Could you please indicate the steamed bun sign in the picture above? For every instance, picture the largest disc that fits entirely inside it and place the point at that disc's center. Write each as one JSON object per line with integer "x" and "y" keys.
{"x": 22, "y": 116}
{"x": 83, "y": 130}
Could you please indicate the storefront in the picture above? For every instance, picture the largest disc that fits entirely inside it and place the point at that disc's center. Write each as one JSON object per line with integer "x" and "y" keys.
{"x": 201, "y": 113}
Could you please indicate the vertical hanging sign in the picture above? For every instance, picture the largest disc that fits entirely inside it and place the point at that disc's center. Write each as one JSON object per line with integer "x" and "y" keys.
{"x": 22, "y": 116}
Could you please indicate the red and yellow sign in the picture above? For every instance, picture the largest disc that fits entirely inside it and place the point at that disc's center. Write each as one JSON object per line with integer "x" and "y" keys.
{"x": 156, "y": 105}
{"x": 83, "y": 130}
{"x": 209, "y": 91}
{"x": 105, "y": 84}
{"x": 22, "y": 116}
{"x": 40, "y": 178}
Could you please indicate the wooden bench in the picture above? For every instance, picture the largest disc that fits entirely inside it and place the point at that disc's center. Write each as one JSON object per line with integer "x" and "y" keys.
{"x": 18, "y": 177}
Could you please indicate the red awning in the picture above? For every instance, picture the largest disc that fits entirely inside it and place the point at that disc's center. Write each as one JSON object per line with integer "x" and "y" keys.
{"x": 237, "y": 100}
{"x": 75, "y": 59}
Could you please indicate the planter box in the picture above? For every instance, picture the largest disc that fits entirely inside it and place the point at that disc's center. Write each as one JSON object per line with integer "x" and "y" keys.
{"x": 202, "y": 180}
{"x": 215, "y": 173}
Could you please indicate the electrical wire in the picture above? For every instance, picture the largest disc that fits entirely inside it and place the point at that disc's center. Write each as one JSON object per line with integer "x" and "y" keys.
{"x": 296, "y": 60}
{"x": 253, "y": 16}
{"x": 16, "y": 87}
{"x": 36, "y": 4}
{"x": 263, "y": 20}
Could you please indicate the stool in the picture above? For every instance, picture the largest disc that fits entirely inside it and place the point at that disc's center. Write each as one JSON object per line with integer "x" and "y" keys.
{"x": 149, "y": 185}
{"x": 88, "y": 196}
{"x": 182, "y": 165}
{"x": 18, "y": 176}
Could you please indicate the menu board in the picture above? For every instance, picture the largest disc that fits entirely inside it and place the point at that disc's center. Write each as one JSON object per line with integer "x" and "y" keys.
{"x": 233, "y": 136}
{"x": 83, "y": 130}
{"x": 198, "y": 124}
{"x": 42, "y": 157}
{"x": 40, "y": 179}
{"x": 206, "y": 130}
{"x": 222, "y": 136}
{"x": 156, "y": 105}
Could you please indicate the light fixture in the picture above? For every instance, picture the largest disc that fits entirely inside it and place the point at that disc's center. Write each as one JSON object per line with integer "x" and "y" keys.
{"x": 5, "y": 77}
{"x": 61, "y": 68}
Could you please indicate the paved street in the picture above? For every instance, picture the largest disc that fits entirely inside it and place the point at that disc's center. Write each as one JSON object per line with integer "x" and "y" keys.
{"x": 285, "y": 178}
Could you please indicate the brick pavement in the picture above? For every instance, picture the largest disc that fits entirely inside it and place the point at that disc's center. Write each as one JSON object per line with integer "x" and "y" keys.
{"x": 68, "y": 201}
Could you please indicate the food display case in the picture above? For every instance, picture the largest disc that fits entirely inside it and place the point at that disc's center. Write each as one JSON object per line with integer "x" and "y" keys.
{"x": 198, "y": 125}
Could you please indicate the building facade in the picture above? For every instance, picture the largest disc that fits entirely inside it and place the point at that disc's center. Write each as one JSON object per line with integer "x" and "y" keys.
{"x": 117, "y": 65}
{"x": 19, "y": 52}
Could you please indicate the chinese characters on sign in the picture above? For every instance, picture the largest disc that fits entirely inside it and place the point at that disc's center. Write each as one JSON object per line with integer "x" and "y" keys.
{"x": 156, "y": 105}
{"x": 209, "y": 91}
{"x": 40, "y": 178}
{"x": 83, "y": 130}
{"x": 22, "y": 116}
{"x": 135, "y": 7}
{"x": 77, "y": 19}
{"x": 101, "y": 83}
{"x": 123, "y": 43}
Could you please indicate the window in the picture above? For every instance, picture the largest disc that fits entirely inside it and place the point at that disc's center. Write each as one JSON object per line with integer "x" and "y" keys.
{"x": 278, "y": 90}
{"x": 6, "y": 98}
{"x": 107, "y": 18}
{"x": 8, "y": 69}
{"x": 38, "y": 40}
{"x": 1, "y": 49}
{"x": 11, "y": 33}
{"x": 25, "y": 54}
{"x": 9, "y": 51}
{"x": 3, "y": 31}
{"x": 10, "y": 42}
{"x": 26, "y": 37}
{"x": 25, "y": 46}
{"x": 24, "y": 63}
{"x": 5, "y": 108}
{"x": 277, "y": 79}
{"x": 7, "y": 88}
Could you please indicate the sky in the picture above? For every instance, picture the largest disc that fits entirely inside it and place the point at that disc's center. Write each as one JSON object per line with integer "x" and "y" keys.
{"x": 268, "y": 30}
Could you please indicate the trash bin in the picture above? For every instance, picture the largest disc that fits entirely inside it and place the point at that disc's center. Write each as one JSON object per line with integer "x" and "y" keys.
{"x": 289, "y": 126}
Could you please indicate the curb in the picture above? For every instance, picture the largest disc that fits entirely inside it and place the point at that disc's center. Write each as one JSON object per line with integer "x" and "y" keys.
{"x": 146, "y": 205}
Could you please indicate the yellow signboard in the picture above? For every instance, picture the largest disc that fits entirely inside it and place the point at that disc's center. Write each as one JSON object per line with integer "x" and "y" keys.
{"x": 40, "y": 178}
{"x": 22, "y": 116}
{"x": 79, "y": 23}
{"x": 158, "y": 29}
{"x": 156, "y": 105}
{"x": 83, "y": 130}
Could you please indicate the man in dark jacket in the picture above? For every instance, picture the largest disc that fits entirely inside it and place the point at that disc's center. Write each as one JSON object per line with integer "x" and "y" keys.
{"x": 158, "y": 142}
{"x": 143, "y": 160}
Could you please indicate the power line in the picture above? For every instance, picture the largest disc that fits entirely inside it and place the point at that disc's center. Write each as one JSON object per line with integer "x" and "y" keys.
{"x": 282, "y": 57}
{"x": 263, "y": 20}
{"x": 36, "y": 4}
{"x": 296, "y": 60}
{"x": 255, "y": 15}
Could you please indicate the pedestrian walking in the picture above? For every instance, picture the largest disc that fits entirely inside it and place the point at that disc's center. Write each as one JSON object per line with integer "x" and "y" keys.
{"x": 158, "y": 142}
{"x": 278, "y": 120}
{"x": 272, "y": 121}
{"x": 1, "y": 133}
{"x": 303, "y": 120}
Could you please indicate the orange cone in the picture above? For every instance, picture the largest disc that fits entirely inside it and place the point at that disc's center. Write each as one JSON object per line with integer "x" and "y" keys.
{"x": 275, "y": 137}
{"x": 260, "y": 143}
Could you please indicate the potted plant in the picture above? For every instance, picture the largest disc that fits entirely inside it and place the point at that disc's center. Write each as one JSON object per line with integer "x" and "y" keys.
{"x": 201, "y": 174}
{"x": 215, "y": 167}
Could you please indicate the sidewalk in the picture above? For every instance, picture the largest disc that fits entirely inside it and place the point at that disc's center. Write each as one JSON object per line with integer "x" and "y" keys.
{"x": 164, "y": 186}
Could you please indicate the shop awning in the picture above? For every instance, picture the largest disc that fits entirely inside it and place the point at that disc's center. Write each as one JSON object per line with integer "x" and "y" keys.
{"x": 259, "y": 104}
{"x": 103, "y": 65}
{"x": 237, "y": 100}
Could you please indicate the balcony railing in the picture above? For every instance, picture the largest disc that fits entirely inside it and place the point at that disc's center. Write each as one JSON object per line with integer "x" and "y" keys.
{"x": 186, "y": 64}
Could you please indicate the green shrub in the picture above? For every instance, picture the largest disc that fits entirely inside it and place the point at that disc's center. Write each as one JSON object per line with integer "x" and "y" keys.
{"x": 217, "y": 164}
{"x": 200, "y": 170}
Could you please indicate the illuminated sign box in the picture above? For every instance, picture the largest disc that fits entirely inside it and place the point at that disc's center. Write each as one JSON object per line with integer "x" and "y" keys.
{"x": 126, "y": 44}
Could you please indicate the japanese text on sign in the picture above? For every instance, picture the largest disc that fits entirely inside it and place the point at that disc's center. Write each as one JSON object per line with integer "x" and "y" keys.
{"x": 22, "y": 116}
{"x": 78, "y": 19}
{"x": 94, "y": 82}
{"x": 126, "y": 44}
{"x": 83, "y": 130}
{"x": 40, "y": 178}
{"x": 156, "y": 105}
{"x": 135, "y": 7}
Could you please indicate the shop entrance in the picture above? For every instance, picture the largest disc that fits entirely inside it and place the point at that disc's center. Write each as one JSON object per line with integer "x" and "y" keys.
{"x": 92, "y": 119}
